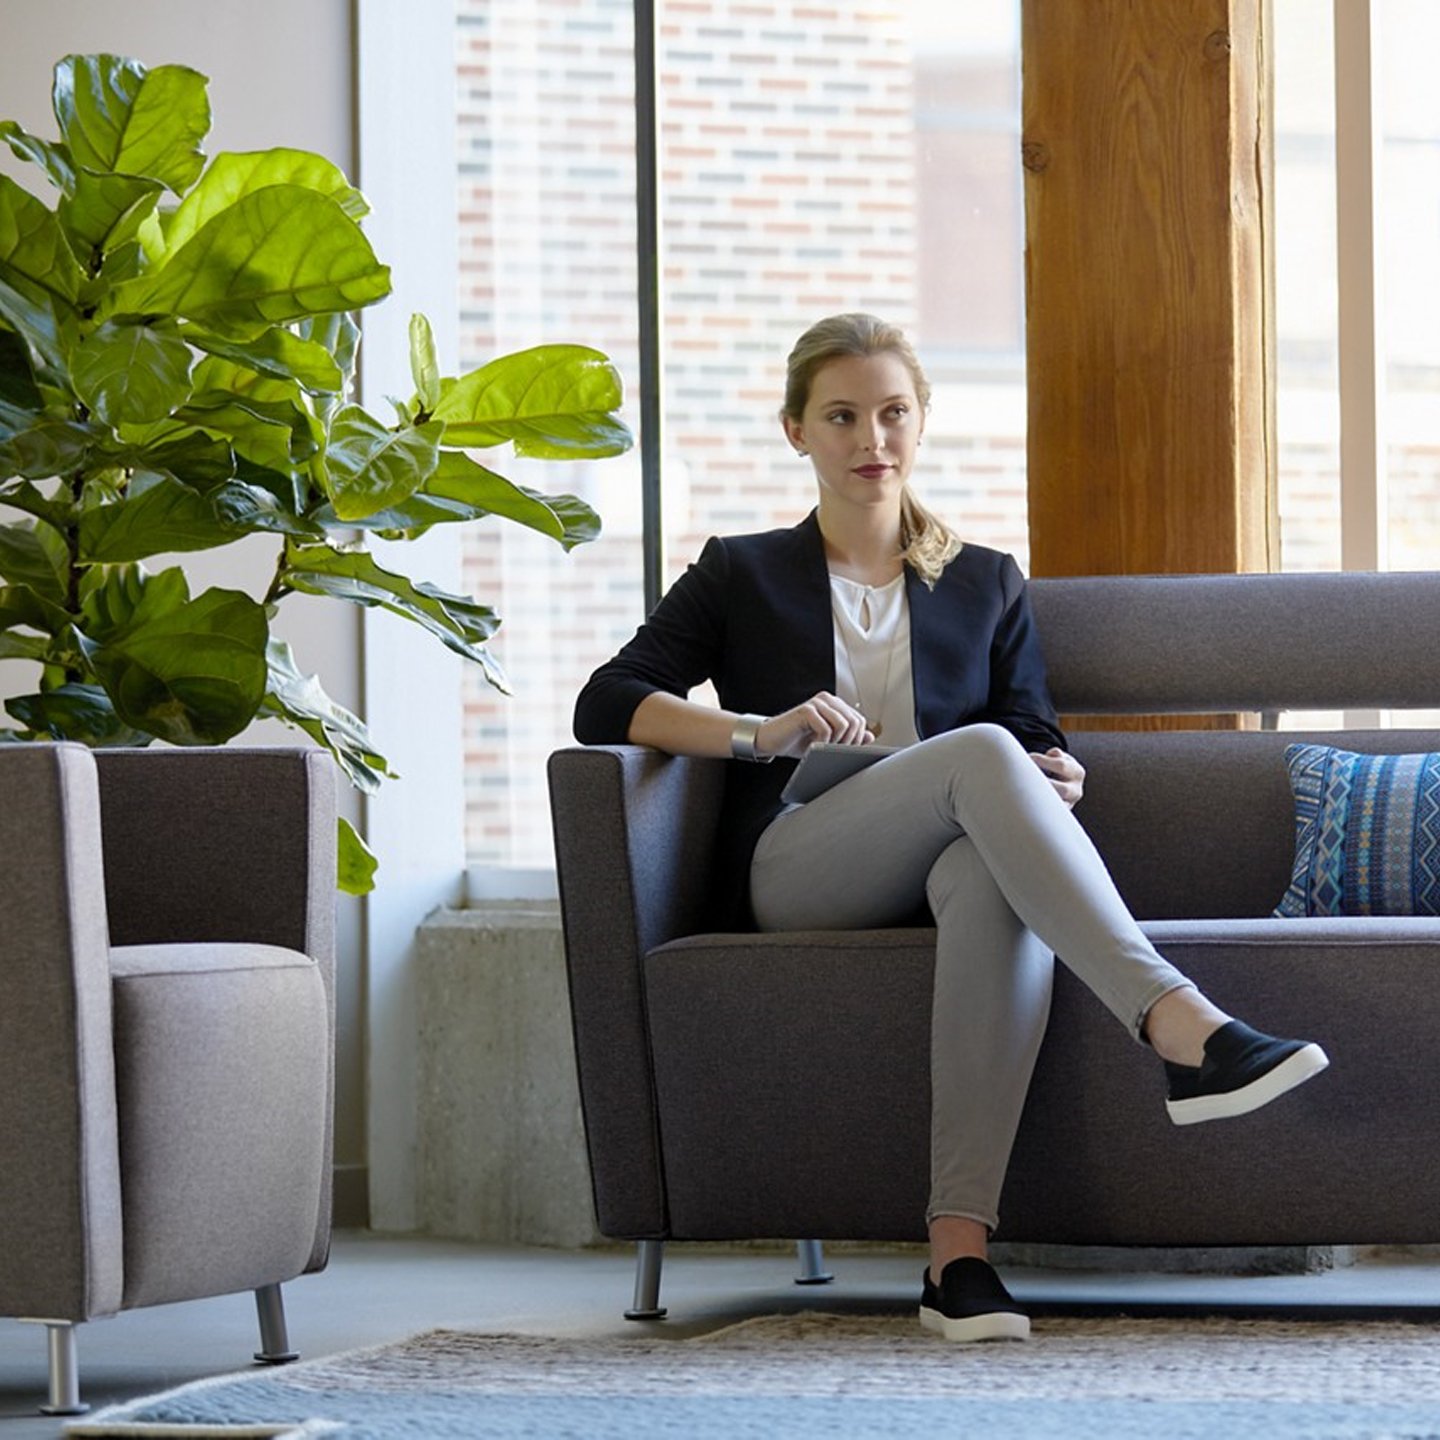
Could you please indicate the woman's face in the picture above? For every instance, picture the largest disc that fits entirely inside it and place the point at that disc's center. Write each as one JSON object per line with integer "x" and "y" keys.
{"x": 861, "y": 426}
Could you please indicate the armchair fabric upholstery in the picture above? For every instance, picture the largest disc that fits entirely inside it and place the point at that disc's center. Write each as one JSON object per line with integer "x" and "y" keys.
{"x": 166, "y": 1024}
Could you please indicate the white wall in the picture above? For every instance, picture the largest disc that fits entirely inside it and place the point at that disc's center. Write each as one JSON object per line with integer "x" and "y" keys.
{"x": 281, "y": 72}
{"x": 406, "y": 108}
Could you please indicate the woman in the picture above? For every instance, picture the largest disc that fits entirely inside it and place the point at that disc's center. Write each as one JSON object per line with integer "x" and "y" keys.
{"x": 871, "y": 620}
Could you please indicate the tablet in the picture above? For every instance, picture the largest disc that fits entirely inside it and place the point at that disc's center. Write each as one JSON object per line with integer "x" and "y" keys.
{"x": 824, "y": 765}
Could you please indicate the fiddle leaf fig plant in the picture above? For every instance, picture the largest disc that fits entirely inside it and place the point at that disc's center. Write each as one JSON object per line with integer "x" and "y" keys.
{"x": 177, "y": 349}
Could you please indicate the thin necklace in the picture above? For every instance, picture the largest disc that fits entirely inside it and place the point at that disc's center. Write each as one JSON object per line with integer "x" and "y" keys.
{"x": 876, "y": 726}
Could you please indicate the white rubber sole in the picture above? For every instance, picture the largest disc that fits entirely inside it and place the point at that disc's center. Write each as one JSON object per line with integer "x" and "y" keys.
{"x": 1002, "y": 1325}
{"x": 1290, "y": 1072}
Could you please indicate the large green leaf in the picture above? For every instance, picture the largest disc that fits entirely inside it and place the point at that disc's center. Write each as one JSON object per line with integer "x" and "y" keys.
{"x": 424, "y": 366}
{"x": 456, "y": 620}
{"x": 192, "y": 673}
{"x": 561, "y": 517}
{"x": 20, "y": 605}
{"x": 111, "y": 597}
{"x": 53, "y": 159}
{"x": 270, "y": 433}
{"x": 33, "y": 554}
{"x": 74, "y": 712}
{"x": 258, "y": 509}
{"x": 194, "y": 457}
{"x": 277, "y": 353}
{"x": 578, "y": 517}
{"x": 235, "y": 378}
{"x": 115, "y": 115}
{"x": 462, "y": 490}
{"x": 554, "y": 402}
{"x": 56, "y": 509}
{"x": 409, "y": 519}
{"x": 230, "y": 176}
{"x": 131, "y": 374}
{"x": 277, "y": 254}
{"x": 340, "y": 335}
{"x": 299, "y": 700}
{"x": 355, "y": 861}
{"x": 290, "y": 489}
{"x": 18, "y": 390}
{"x": 370, "y": 467}
{"x": 106, "y": 211}
{"x": 14, "y": 646}
{"x": 32, "y": 243}
{"x": 46, "y": 448}
{"x": 43, "y": 321}
{"x": 165, "y": 517}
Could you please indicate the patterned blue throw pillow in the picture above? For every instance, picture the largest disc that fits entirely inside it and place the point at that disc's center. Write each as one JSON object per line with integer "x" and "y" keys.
{"x": 1367, "y": 833}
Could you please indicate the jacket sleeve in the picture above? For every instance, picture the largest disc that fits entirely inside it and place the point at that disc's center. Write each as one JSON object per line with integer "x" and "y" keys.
{"x": 1019, "y": 695}
{"x": 678, "y": 647}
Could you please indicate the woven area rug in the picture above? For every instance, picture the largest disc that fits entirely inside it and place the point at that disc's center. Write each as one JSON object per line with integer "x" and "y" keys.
{"x": 815, "y": 1375}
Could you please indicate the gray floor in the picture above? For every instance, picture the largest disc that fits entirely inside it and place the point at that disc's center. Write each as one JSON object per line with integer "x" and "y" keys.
{"x": 380, "y": 1289}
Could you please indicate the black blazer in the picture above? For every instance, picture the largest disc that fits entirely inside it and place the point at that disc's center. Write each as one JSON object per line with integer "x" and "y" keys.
{"x": 753, "y": 616}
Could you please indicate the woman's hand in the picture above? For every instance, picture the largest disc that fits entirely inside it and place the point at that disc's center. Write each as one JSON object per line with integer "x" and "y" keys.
{"x": 822, "y": 717}
{"x": 1064, "y": 772}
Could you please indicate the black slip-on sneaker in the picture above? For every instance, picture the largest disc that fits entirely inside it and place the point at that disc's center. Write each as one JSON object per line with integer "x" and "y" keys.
{"x": 1243, "y": 1069}
{"x": 971, "y": 1303}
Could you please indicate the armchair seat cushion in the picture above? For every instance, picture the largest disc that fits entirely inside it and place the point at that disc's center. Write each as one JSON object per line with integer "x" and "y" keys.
{"x": 221, "y": 1079}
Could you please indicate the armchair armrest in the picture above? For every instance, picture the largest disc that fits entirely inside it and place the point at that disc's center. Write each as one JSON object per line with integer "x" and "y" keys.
{"x": 634, "y": 834}
{"x": 59, "y": 1178}
{"x": 230, "y": 844}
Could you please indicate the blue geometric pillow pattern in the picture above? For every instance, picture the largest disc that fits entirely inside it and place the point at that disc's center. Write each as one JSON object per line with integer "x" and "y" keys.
{"x": 1367, "y": 833}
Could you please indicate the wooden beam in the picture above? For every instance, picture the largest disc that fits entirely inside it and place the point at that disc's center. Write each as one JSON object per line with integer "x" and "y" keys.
{"x": 1149, "y": 277}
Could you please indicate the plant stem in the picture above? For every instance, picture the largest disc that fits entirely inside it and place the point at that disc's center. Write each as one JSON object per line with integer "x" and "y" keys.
{"x": 278, "y": 588}
{"x": 71, "y": 535}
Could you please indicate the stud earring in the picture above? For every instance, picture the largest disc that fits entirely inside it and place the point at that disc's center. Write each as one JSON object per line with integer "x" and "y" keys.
{"x": 802, "y": 453}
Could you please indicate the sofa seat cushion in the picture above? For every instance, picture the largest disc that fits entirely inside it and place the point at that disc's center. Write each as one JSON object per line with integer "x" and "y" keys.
{"x": 792, "y": 1085}
{"x": 793, "y": 1082}
{"x": 1338, "y": 1162}
{"x": 220, "y": 1065}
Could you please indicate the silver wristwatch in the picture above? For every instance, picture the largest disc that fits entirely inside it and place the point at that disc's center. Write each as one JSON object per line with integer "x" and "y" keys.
{"x": 742, "y": 739}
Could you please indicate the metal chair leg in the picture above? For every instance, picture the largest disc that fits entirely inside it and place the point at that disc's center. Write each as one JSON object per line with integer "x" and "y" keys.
{"x": 64, "y": 1370}
{"x": 649, "y": 1254}
{"x": 274, "y": 1336}
{"x": 812, "y": 1263}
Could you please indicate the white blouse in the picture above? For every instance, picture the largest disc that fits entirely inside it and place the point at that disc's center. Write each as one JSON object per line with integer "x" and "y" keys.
{"x": 872, "y": 655}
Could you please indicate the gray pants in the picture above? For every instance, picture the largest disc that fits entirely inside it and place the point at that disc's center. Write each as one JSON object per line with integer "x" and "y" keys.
{"x": 966, "y": 821}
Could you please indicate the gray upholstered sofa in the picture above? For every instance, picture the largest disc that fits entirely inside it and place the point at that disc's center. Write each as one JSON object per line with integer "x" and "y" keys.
{"x": 747, "y": 1086}
{"x": 167, "y": 949}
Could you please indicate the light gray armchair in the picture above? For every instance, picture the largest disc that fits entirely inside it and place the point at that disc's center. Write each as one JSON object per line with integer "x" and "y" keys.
{"x": 166, "y": 1032}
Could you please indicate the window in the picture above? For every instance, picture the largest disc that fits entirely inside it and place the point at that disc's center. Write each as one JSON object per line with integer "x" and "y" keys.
{"x": 802, "y": 154}
{"x": 547, "y": 254}
{"x": 825, "y": 157}
{"x": 1407, "y": 219}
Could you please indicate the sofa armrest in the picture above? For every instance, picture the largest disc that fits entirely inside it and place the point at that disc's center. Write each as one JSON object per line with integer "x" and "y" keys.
{"x": 59, "y": 1180}
{"x": 634, "y": 832}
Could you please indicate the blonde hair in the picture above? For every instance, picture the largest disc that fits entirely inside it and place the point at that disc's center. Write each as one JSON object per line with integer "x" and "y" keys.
{"x": 927, "y": 543}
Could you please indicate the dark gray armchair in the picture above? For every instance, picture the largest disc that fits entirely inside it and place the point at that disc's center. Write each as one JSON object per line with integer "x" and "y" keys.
{"x": 166, "y": 1032}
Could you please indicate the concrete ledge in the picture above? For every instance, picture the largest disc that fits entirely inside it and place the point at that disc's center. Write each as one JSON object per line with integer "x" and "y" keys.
{"x": 501, "y": 1143}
